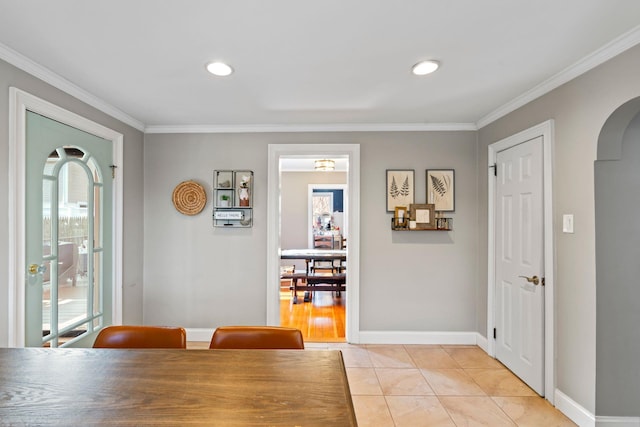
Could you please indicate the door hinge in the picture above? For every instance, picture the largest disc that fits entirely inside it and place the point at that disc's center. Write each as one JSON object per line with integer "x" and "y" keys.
{"x": 113, "y": 170}
{"x": 495, "y": 169}
{"x": 494, "y": 333}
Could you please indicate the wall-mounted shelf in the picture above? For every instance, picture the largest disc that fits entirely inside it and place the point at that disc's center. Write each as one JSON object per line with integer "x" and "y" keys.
{"x": 441, "y": 224}
{"x": 233, "y": 198}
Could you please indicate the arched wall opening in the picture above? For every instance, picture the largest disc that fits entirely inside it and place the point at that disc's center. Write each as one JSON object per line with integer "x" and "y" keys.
{"x": 617, "y": 222}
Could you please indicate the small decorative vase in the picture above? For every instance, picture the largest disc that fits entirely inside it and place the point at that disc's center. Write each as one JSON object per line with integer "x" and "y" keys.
{"x": 243, "y": 194}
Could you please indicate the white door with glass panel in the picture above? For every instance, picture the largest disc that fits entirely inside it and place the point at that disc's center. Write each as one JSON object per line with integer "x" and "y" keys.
{"x": 519, "y": 293}
{"x": 68, "y": 233}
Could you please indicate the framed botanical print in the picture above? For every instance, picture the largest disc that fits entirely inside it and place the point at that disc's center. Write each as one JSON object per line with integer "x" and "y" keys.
{"x": 441, "y": 189}
{"x": 400, "y": 188}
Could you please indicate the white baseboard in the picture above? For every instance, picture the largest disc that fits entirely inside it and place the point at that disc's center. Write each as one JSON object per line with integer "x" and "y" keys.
{"x": 482, "y": 342}
{"x": 199, "y": 334}
{"x": 584, "y": 418}
{"x": 617, "y": 421}
{"x": 417, "y": 337}
{"x": 573, "y": 410}
{"x": 384, "y": 337}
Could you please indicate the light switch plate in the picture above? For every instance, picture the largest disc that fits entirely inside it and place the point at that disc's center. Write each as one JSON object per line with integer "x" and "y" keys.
{"x": 567, "y": 223}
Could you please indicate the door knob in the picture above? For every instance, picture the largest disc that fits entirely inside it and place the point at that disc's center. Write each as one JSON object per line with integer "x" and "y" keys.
{"x": 37, "y": 269}
{"x": 535, "y": 280}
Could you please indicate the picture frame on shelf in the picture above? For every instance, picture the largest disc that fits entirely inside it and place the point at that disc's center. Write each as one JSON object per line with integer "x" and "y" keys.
{"x": 441, "y": 189}
{"x": 423, "y": 216}
{"x": 401, "y": 217}
{"x": 400, "y": 188}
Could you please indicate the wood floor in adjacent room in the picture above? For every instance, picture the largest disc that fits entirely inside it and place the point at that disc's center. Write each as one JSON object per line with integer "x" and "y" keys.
{"x": 320, "y": 320}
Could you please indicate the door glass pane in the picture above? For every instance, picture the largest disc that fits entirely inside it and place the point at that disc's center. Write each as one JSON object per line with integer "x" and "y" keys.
{"x": 47, "y": 194}
{"x": 97, "y": 284}
{"x": 97, "y": 249}
{"x": 73, "y": 186}
{"x": 70, "y": 200}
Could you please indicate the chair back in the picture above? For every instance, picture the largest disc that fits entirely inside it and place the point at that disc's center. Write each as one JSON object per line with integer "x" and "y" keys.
{"x": 141, "y": 337}
{"x": 257, "y": 337}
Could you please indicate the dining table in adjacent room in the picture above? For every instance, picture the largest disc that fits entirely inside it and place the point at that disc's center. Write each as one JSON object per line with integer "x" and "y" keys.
{"x": 333, "y": 281}
{"x": 314, "y": 254}
{"x": 79, "y": 387}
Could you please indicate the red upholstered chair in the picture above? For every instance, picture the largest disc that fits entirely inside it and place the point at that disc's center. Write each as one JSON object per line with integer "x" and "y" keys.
{"x": 257, "y": 337}
{"x": 141, "y": 337}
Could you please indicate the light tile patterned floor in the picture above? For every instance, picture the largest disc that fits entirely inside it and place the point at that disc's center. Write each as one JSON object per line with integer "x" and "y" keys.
{"x": 434, "y": 385}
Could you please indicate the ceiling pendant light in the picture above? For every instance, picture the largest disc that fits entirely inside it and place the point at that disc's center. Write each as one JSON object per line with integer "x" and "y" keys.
{"x": 425, "y": 67}
{"x": 219, "y": 69}
{"x": 324, "y": 165}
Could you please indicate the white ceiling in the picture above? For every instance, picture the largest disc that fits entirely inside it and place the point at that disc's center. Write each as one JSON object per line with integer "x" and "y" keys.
{"x": 337, "y": 64}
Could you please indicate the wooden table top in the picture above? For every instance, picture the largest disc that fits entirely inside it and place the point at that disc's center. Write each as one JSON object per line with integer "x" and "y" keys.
{"x": 174, "y": 387}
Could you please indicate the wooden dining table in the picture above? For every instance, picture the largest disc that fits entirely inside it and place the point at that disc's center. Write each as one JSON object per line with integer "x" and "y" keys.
{"x": 80, "y": 387}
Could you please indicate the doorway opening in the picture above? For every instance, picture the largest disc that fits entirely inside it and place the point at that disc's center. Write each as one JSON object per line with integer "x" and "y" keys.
{"x": 313, "y": 216}
{"x": 281, "y": 219}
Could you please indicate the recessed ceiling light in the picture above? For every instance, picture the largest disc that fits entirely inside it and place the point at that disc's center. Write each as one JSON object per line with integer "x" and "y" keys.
{"x": 219, "y": 69}
{"x": 425, "y": 67}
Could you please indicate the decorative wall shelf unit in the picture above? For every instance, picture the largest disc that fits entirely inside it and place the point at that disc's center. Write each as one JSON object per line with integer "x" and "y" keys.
{"x": 233, "y": 198}
{"x": 441, "y": 224}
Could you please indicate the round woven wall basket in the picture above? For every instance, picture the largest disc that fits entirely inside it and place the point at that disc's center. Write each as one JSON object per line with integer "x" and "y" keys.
{"x": 189, "y": 198}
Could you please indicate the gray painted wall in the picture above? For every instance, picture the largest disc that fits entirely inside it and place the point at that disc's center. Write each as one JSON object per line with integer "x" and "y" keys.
{"x": 410, "y": 281}
{"x": 618, "y": 294}
{"x": 132, "y": 169}
{"x": 295, "y": 207}
{"x": 580, "y": 109}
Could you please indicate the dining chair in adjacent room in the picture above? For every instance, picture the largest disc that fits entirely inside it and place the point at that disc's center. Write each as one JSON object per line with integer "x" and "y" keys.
{"x": 128, "y": 336}
{"x": 257, "y": 338}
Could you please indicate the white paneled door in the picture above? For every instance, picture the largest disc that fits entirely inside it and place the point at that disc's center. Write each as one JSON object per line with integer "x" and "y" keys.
{"x": 519, "y": 293}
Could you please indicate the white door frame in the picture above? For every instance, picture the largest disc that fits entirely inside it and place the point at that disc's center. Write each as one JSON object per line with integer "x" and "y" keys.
{"x": 545, "y": 130}
{"x": 352, "y": 151}
{"x": 20, "y": 102}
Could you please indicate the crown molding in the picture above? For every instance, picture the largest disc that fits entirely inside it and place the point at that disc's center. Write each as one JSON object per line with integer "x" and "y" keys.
{"x": 284, "y": 128}
{"x": 605, "y": 53}
{"x": 27, "y": 65}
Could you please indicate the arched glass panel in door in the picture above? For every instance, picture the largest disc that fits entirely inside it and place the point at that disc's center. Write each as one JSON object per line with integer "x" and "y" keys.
{"x": 72, "y": 303}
